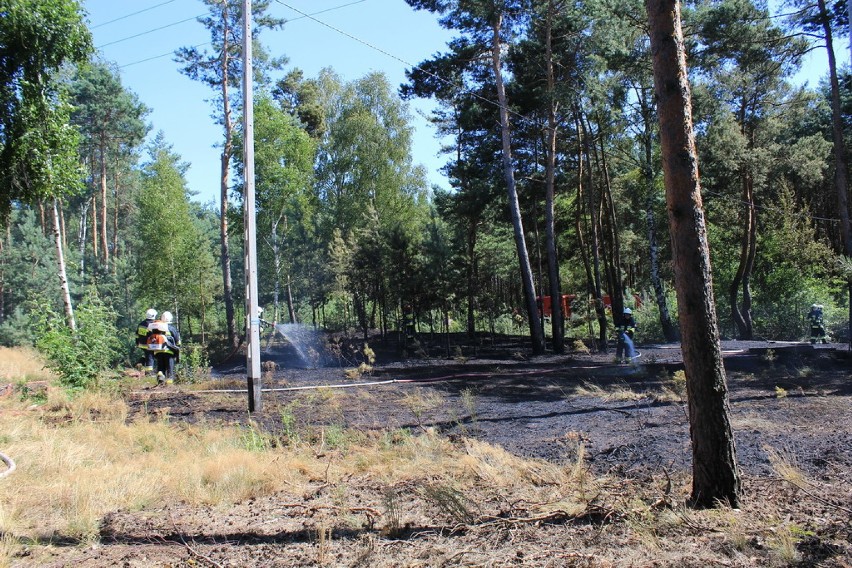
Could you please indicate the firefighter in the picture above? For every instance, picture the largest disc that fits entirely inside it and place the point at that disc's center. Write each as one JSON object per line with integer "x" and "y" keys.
{"x": 142, "y": 340}
{"x": 817, "y": 324}
{"x": 625, "y": 329}
{"x": 164, "y": 343}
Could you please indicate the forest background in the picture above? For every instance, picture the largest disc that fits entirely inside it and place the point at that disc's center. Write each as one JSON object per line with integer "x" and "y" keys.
{"x": 352, "y": 238}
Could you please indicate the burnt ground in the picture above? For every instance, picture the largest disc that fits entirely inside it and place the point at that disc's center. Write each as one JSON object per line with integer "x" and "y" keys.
{"x": 629, "y": 421}
{"x": 630, "y": 417}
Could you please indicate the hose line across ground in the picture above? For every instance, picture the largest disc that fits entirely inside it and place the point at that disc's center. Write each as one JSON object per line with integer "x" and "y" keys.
{"x": 9, "y": 464}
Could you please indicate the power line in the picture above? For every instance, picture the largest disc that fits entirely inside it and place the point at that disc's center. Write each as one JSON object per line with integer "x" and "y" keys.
{"x": 327, "y": 10}
{"x": 159, "y": 56}
{"x": 149, "y": 31}
{"x": 130, "y": 15}
{"x": 522, "y": 117}
{"x": 195, "y": 17}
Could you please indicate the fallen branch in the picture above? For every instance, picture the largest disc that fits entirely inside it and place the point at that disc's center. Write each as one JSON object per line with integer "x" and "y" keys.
{"x": 822, "y": 500}
{"x": 554, "y": 516}
{"x": 10, "y": 464}
{"x": 369, "y": 511}
{"x": 191, "y": 550}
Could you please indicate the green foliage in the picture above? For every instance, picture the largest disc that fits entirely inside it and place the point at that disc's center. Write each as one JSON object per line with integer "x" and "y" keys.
{"x": 27, "y": 269}
{"x": 290, "y": 423}
{"x": 194, "y": 364}
{"x": 37, "y": 145}
{"x": 176, "y": 265}
{"x": 794, "y": 270}
{"x": 253, "y": 439}
{"x": 81, "y": 357}
{"x": 647, "y": 318}
{"x": 15, "y": 329}
{"x": 285, "y": 203}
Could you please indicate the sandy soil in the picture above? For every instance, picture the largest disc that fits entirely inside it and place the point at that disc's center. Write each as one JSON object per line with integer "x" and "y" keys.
{"x": 628, "y": 421}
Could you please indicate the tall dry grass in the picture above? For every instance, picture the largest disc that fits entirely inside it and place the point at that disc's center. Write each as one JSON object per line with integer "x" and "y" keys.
{"x": 79, "y": 459}
{"x": 22, "y": 364}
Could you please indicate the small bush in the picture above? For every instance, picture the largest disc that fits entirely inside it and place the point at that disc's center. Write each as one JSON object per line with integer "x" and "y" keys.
{"x": 78, "y": 357}
{"x": 678, "y": 382}
{"x": 194, "y": 364}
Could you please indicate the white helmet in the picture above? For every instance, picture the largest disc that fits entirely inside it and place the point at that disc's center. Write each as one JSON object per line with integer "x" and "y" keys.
{"x": 259, "y": 311}
{"x": 167, "y": 317}
{"x": 151, "y": 314}
{"x": 628, "y": 311}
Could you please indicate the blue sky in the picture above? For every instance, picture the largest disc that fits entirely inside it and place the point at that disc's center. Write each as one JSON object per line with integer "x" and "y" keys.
{"x": 140, "y": 36}
{"x": 179, "y": 106}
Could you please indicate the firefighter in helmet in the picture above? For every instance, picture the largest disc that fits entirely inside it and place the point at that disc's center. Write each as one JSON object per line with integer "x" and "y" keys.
{"x": 142, "y": 340}
{"x": 625, "y": 350}
{"x": 817, "y": 324}
{"x": 164, "y": 344}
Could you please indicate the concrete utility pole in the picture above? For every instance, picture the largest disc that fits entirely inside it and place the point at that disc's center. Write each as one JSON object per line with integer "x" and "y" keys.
{"x": 252, "y": 316}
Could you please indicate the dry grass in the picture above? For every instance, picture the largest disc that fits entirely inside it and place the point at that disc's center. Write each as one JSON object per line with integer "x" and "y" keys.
{"x": 614, "y": 393}
{"x": 785, "y": 465}
{"x": 751, "y": 421}
{"x": 22, "y": 364}
{"x": 422, "y": 401}
{"x": 78, "y": 460}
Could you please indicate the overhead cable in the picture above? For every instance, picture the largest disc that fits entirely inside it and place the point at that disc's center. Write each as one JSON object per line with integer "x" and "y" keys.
{"x": 131, "y": 15}
{"x": 150, "y": 31}
{"x": 404, "y": 62}
{"x": 204, "y": 43}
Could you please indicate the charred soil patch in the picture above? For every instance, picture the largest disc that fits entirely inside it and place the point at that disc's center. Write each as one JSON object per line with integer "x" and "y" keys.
{"x": 617, "y": 434}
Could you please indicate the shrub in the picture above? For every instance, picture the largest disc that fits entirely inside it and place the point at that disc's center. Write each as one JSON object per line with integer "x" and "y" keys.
{"x": 78, "y": 357}
{"x": 195, "y": 366}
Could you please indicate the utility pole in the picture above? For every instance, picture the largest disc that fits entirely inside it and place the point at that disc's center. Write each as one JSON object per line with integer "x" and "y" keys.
{"x": 252, "y": 316}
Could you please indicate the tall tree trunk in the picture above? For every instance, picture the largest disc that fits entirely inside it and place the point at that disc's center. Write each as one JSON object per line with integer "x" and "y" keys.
{"x": 742, "y": 317}
{"x": 291, "y": 308}
{"x": 471, "y": 276}
{"x": 578, "y": 221}
{"x": 44, "y": 230}
{"x": 81, "y": 236}
{"x": 60, "y": 264}
{"x": 4, "y": 243}
{"x": 594, "y": 219}
{"x": 103, "y": 212}
{"x": 616, "y": 275}
{"x": 224, "y": 175}
{"x": 62, "y": 224}
{"x": 841, "y": 168}
{"x": 472, "y": 227}
{"x": 669, "y": 331}
{"x": 715, "y": 477}
{"x": 116, "y": 207}
{"x": 557, "y": 317}
{"x": 277, "y": 269}
{"x": 95, "y": 252}
{"x": 514, "y": 206}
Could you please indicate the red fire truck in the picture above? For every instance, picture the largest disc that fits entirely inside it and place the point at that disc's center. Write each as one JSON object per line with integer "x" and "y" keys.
{"x": 545, "y": 306}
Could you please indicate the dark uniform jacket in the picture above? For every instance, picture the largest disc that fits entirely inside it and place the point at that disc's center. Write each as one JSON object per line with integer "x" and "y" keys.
{"x": 142, "y": 332}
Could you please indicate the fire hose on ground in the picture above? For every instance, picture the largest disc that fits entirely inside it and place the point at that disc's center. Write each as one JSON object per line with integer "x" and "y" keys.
{"x": 10, "y": 465}
{"x": 365, "y": 384}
